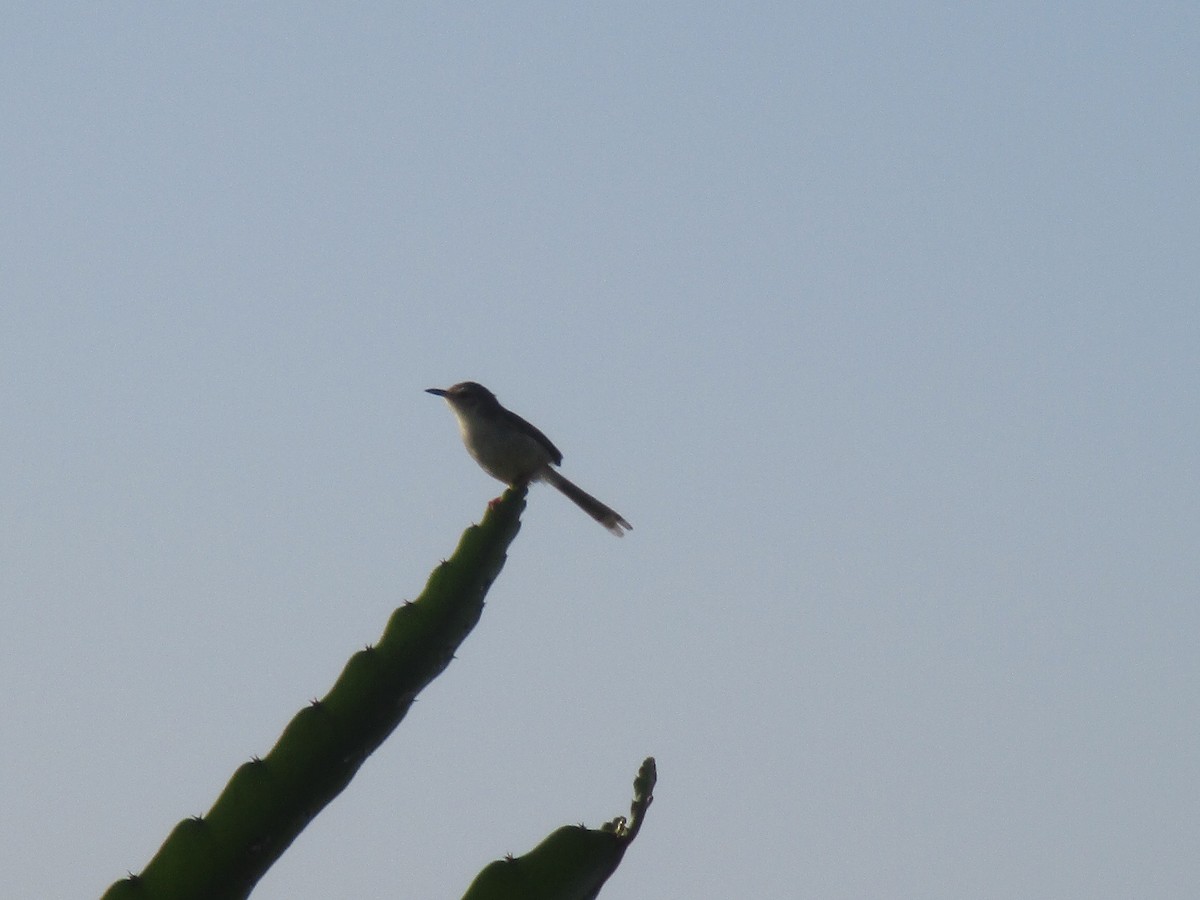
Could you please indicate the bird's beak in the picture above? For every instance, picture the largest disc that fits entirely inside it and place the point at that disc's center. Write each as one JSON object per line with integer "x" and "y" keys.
{"x": 435, "y": 391}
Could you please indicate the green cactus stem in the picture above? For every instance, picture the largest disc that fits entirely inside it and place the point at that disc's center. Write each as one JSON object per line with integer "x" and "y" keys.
{"x": 573, "y": 862}
{"x": 268, "y": 801}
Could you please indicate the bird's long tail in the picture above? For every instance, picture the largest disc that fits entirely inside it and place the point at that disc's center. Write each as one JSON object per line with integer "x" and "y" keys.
{"x": 606, "y": 516}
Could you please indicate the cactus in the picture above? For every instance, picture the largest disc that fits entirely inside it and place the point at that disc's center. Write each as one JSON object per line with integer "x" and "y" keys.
{"x": 573, "y": 862}
{"x": 268, "y": 801}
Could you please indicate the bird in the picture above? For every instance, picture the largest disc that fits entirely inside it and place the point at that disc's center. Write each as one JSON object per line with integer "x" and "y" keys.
{"x": 513, "y": 451}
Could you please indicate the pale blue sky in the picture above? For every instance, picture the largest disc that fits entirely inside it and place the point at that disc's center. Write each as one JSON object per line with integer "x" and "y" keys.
{"x": 879, "y": 322}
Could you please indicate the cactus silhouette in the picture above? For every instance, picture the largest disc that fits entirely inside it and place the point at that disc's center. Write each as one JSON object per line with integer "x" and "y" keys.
{"x": 267, "y": 802}
{"x": 573, "y": 862}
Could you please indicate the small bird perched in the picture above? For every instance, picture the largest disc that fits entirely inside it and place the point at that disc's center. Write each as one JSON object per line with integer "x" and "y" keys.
{"x": 513, "y": 451}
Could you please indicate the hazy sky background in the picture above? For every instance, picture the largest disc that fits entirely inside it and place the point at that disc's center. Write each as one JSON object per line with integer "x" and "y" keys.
{"x": 880, "y": 323}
